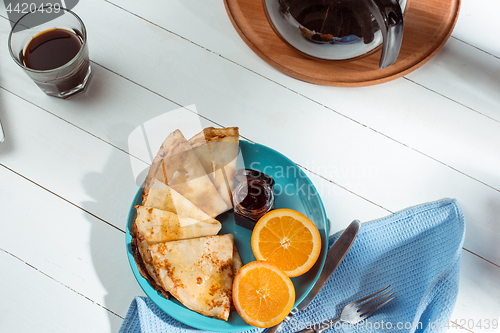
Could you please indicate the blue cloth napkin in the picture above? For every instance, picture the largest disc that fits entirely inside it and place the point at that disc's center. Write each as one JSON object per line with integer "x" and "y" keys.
{"x": 417, "y": 251}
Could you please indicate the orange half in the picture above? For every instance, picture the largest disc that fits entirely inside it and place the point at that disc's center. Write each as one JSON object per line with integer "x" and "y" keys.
{"x": 262, "y": 294}
{"x": 288, "y": 240}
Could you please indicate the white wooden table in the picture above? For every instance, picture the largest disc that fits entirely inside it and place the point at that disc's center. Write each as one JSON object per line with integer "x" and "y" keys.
{"x": 68, "y": 177}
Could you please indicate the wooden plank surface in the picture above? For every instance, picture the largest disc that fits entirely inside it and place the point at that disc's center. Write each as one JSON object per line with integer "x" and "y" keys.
{"x": 34, "y": 301}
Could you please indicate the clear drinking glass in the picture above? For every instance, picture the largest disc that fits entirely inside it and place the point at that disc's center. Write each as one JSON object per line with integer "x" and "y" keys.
{"x": 68, "y": 78}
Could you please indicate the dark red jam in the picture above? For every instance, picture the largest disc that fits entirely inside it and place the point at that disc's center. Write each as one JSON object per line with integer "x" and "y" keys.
{"x": 256, "y": 196}
{"x": 253, "y": 196}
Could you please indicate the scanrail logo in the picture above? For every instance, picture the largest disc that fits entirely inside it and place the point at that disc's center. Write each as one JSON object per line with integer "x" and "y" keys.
{"x": 146, "y": 139}
{"x": 50, "y": 9}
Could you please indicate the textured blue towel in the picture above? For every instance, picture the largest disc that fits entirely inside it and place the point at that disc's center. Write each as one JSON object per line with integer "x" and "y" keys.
{"x": 417, "y": 251}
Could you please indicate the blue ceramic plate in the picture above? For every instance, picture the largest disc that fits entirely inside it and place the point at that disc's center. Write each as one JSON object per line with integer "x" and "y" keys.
{"x": 293, "y": 190}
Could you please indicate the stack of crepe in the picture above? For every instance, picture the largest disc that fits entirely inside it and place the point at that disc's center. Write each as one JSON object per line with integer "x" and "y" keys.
{"x": 175, "y": 235}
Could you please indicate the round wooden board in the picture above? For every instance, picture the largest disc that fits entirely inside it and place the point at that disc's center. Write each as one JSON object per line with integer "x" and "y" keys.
{"x": 428, "y": 25}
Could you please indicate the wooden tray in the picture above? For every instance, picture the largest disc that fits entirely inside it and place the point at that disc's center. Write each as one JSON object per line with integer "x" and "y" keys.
{"x": 428, "y": 25}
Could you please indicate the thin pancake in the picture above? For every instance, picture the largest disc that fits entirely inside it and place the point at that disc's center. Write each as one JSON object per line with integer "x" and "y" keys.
{"x": 157, "y": 225}
{"x": 177, "y": 165}
{"x": 144, "y": 261}
{"x": 217, "y": 150}
{"x": 198, "y": 272}
{"x": 164, "y": 197}
{"x": 237, "y": 263}
{"x": 153, "y": 225}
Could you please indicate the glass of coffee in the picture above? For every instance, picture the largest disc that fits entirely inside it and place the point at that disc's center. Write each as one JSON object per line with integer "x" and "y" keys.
{"x": 50, "y": 45}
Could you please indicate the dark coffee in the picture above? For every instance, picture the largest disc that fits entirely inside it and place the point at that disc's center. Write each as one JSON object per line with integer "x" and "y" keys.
{"x": 54, "y": 55}
{"x": 51, "y": 49}
{"x": 340, "y": 21}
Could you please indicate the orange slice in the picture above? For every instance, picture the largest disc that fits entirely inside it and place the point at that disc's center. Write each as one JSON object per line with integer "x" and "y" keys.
{"x": 288, "y": 240}
{"x": 262, "y": 294}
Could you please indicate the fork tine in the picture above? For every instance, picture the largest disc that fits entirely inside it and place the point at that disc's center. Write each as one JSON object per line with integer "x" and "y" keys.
{"x": 370, "y": 296}
{"x": 375, "y": 302}
{"x": 374, "y": 308}
{"x": 369, "y": 303}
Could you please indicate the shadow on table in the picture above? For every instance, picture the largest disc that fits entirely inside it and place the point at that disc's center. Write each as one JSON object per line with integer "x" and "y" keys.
{"x": 107, "y": 240}
{"x": 111, "y": 192}
{"x": 107, "y": 246}
{"x": 108, "y": 207}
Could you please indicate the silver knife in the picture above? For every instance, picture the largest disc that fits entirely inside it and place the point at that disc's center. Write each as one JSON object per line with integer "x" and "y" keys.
{"x": 2, "y": 136}
{"x": 333, "y": 258}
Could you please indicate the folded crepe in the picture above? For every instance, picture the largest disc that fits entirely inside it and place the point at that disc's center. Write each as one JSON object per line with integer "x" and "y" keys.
{"x": 198, "y": 272}
{"x": 178, "y": 208}
{"x": 178, "y": 166}
{"x": 217, "y": 151}
{"x": 163, "y": 197}
{"x": 152, "y": 225}
{"x": 237, "y": 263}
{"x": 139, "y": 247}
{"x": 157, "y": 225}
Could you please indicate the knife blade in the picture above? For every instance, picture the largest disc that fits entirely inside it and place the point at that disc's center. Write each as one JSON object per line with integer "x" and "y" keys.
{"x": 333, "y": 258}
{"x": 2, "y": 136}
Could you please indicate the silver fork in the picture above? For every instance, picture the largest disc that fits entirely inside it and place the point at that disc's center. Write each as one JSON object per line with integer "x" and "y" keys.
{"x": 356, "y": 311}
